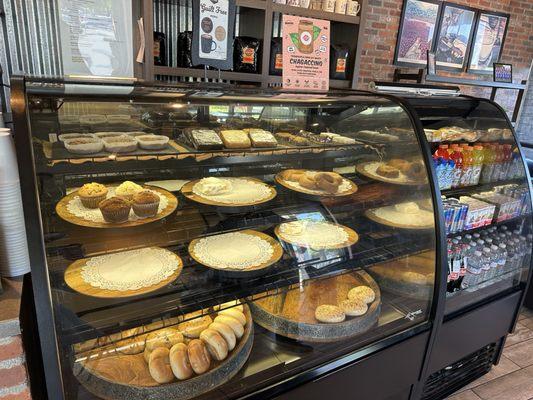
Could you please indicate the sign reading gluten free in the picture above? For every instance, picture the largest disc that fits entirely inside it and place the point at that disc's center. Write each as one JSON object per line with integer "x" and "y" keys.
{"x": 305, "y": 53}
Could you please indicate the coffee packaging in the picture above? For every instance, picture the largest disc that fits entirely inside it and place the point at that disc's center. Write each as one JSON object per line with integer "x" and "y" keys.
{"x": 338, "y": 64}
{"x": 159, "y": 49}
{"x": 276, "y": 56}
{"x": 184, "y": 49}
{"x": 246, "y": 54}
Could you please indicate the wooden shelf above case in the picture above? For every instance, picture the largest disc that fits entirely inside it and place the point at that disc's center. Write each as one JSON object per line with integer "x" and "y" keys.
{"x": 306, "y": 12}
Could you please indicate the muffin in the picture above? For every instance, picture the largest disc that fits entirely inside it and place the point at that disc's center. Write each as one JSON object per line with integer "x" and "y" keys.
{"x": 128, "y": 189}
{"x": 145, "y": 204}
{"x": 115, "y": 209}
{"x": 91, "y": 194}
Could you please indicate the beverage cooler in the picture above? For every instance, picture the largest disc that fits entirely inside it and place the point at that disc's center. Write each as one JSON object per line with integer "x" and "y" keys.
{"x": 220, "y": 243}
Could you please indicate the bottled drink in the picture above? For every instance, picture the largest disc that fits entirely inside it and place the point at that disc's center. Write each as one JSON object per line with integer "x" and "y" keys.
{"x": 473, "y": 271}
{"x": 498, "y": 161}
{"x": 468, "y": 165}
{"x": 456, "y": 156}
{"x": 506, "y": 161}
{"x": 488, "y": 163}
{"x": 478, "y": 164}
{"x": 486, "y": 265}
{"x": 502, "y": 259}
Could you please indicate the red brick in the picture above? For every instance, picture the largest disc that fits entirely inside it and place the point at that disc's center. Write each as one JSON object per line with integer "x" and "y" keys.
{"x": 24, "y": 395}
{"x": 12, "y": 376}
{"x": 12, "y": 349}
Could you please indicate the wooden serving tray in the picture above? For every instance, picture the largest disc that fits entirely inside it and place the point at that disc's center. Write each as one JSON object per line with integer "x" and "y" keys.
{"x": 370, "y": 214}
{"x": 292, "y": 314}
{"x": 312, "y": 193}
{"x": 126, "y": 377}
{"x": 75, "y": 281}
{"x": 362, "y": 169}
{"x": 250, "y": 272}
{"x": 64, "y": 213}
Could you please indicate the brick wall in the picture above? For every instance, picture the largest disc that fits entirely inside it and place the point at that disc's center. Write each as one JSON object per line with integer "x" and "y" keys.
{"x": 13, "y": 375}
{"x": 382, "y": 29}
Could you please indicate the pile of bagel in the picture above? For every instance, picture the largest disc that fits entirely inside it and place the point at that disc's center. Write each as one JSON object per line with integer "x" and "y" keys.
{"x": 328, "y": 182}
{"x": 191, "y": 348}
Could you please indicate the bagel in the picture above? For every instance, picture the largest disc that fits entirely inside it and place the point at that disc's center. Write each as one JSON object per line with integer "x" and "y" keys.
{"x": 226, "y": 332}
{"x": 328, "y": 181}
{"x": 159, "y": 365}
{"x": 179, "y": 361}
{"x": 232, "y": 312}
{"x": 198, "y": 356}
{"x": 215, "y": 343}
{"x": 307, "y": 182}
{"x": 233, "y": 323}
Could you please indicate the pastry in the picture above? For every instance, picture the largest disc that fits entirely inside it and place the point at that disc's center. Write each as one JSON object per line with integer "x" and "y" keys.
{"x": 213, "y": 186}
{"x": 67, "y": 136}
{"x": 105, "y": 135}
{"x": 409, "y": 207}
{"x": 328, "y": 181}
{"x": 353, "y": 307}
{"x": 115, "y": 209}
{"x": 145, "y": 204}
{"x": 289, "y": 138}
{"x": 120, "y": 144}
{"x": 166, "y": 337}
{"x": 387, "y": 171}
{"x": 205, "y": 139}
{"x": 91, "y": 194}
{"x": 84, "y": 145}
{"x": 179, "y": 361}
{"x": 363, "y": 293}
{"x": 329, "y": 314}
{"x": 215, "y": 343}
{"x": 133, "y": 341}
{"x": 416, "y": 171}
{"x": 261, "y": 138}
{"x": 159, "y": 365}
{"x": 292, "y": 175}
{"x": 226, "y": 332}
{"x": 234, "y": 324}
{"x": 152, "y": 142}
{"x": 194, "y": 327}
{"x": 337, "y": 139}
{"x": 128, "y": 189}
{"x": 233, "y": 312}
{"x": 198, "y": 356}
{"x": 235, "y": 139}
{"x": 307, "y": 181}
{"x": 235, "y": 304}
{"x": 399, "y": 164}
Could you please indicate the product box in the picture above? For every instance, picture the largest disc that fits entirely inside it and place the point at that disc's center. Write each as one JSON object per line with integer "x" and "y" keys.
{"x": 507, "y": 207}
{"x": 480, "y": 213}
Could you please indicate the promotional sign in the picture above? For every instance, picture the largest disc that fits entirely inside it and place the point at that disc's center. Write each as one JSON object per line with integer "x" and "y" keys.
{"x": 213, "y": 33}
{"x": 503, "y": 73}
{"x": 305, "y": 53}
{"x": 96, "y": 37}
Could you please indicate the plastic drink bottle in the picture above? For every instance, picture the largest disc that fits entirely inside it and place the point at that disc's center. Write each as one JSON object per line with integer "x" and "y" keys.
{"x": 502, "y": 259}
{"x": 478, "y": 164}
{"x": 485, "y": 270}
{"x": 507, "y": 157}
{"x": 440, "y": 158}
{"x": 457, "y": 157}
{"x": 498, "y": 161}
{"x": 488, "y": 163}
{"x": 473, "y": 271}
{"x": 468, "y": 164}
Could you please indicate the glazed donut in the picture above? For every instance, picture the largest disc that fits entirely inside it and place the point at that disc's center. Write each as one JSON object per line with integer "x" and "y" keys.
{"x": 238, "y": 315}
{"x": 215, "y": 343}
{"x": 234, "y": 324}
{"x": 159, "y": 365}
{"x": 198, "y": 356}
{"x": 226, "y": 332}
{"x": 179, "y": 361}
{"x": 307, "y": 181}
{"x": 328, "y": 181}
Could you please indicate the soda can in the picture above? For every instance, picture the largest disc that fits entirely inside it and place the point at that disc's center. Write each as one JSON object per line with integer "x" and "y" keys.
{"x": 462, "y": 219}
{"x": 448, "y": 218}
{"x": 456, "y": 217}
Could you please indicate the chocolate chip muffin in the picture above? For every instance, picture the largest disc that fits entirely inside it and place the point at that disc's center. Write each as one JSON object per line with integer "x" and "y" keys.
{"x": 115, "y": 209}
{"x": 145, "y": 204}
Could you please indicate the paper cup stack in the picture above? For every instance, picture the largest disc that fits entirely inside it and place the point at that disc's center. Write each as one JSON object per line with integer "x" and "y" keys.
{"x": 14, "y": 259}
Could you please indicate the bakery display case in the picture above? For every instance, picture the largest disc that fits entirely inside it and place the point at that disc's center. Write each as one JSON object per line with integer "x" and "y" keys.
{"x": 191, "y": 242}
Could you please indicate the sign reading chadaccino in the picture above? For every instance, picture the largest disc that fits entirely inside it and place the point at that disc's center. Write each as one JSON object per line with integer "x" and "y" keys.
{"x": 213, "y": 33}
{"x": 305, "y": 53}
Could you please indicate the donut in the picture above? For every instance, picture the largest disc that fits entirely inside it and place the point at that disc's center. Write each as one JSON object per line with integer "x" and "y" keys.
{"x": 159, "y": 365}
{"x": 179, "y": 361}
{"x": 226, "y": 332}
{"x": 354, "y": 307}
{"x": 328, "y": 181}
{"x": 363, "y": 293}
{"x": 198, "y": 356}
{"x": 238, "y": 315}
{"x": 215, "y": 343}
{"x": 307, "y": 182}
{"x": 329, "y": 314}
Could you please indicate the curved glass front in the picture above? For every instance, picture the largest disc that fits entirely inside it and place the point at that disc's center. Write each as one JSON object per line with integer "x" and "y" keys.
{"x": 218, "y": 242}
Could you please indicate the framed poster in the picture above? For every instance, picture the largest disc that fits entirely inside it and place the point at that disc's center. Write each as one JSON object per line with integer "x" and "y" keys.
{"x": 503, "y": 73}
{"x": 454, "y": 36}
{"x": 416, "y": 33}
{"x": 305, "y": 53}
{"x": 489, "y": 37}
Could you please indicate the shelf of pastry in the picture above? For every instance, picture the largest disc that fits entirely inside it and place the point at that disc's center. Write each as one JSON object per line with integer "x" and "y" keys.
{"x": 198, "y": 287}
{"x": 514, "y": 220}
{"x": 306, "y": 12}
{"x": 482, "y": 187}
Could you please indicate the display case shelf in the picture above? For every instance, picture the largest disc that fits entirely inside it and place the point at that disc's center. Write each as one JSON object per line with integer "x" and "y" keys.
{"x": 305, "y": 12}
{"x": 482, "y": 187}
{"x": 499, "y": 223}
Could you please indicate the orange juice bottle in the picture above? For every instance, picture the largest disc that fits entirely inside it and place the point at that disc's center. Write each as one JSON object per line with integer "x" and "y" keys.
{"x": 478, "y": 164}
{"x": 468, "y": 165}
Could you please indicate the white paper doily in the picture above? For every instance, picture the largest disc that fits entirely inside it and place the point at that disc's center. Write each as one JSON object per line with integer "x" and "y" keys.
{"x": 313, "y": 234}
{"x": 234, "y": 250}
{"x": 130, "y": 270}
{"x": 75, "y": 207}
{"x": 243, "y": 191}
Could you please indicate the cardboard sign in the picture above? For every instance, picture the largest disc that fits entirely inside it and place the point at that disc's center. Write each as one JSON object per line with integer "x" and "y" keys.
{"x": 305, "y": 53}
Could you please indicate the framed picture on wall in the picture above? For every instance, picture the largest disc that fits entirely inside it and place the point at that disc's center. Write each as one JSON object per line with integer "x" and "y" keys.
{"x": 503, "y": 73}
{"x": 454, "y": 36}
{"x": 489, "y": 37}
{"x": 416, "y": 33}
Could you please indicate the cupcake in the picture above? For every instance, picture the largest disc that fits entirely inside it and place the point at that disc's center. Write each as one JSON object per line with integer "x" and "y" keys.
{"x": 115, "y": 209}
{"x": 91, "y": 194}
{"x": 128, "y": 189}
{"x": 145, "y": 204}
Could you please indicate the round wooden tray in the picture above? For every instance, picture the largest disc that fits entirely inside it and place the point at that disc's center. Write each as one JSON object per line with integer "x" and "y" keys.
{"x": 133, "y": 380}
{"x": 402, "y": 288}
{"x": 353, "y": 238}
{"x": 371, "y": 215}
{"x": 248, "y": 273}
{"x": 361, "y": 169}
{"x": 326, "y": 291}
{"x": 75, "y": 281}
{"x": 64, "y": 213}
{"x": 186, "y": 190}
{"x": 311, "y": 193}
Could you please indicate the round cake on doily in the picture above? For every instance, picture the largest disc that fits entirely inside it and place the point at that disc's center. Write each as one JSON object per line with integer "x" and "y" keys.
{"x": 317, "y": 235}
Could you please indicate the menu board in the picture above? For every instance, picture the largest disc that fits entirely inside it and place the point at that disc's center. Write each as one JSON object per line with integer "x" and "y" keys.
{"x": 305, "y": 53}
{"x": 96, "y": 37}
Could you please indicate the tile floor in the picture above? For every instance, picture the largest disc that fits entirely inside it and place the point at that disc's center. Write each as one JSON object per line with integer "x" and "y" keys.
{"x": 512, "y": 378}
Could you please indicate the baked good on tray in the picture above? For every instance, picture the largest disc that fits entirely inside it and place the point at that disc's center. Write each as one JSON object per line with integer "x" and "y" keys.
{"x": 235, "y": 139}
{"x": 128, "y": 189}
{"x": 261, "y": 138}
{"x": 115, "y": 209}
{"x": 290, "y": 139}
{"x": 120, "y": 144}
{"x": 204, "y": 139}
{"x": 152, "y": 142}
{"x": 388, "y": 171}
{"x": 320, "y": 183}
{"x": 84, "y": 145}
{"x": 91, "y": 194}
{"x": 145, "y": 204}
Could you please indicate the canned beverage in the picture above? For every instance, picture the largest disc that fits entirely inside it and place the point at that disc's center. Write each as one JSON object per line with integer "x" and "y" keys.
{"x": 462, "y": 219}
{"x": 448, "y": 215}
{"x": 456, "y": 217}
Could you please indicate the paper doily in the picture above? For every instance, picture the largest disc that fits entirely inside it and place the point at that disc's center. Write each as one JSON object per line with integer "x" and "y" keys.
{"x": 243, "y": 191}
{"x": 234, "y": 250}
{"x": 317, "y": 235}
{"x": 75, "y": 207}
{"x": 130, "y": 270}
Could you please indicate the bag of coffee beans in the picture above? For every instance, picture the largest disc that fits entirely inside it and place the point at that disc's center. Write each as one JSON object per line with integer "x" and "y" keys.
{"x": 160, "y": 48}
{"x": 184, "y": 49}
{"x": 246, "y": 54}
{"x": 338, "y": 61}
{"x": 276, "y": 56}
